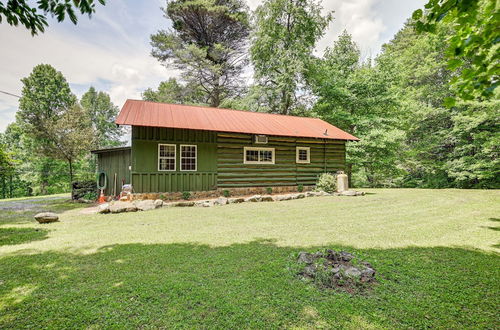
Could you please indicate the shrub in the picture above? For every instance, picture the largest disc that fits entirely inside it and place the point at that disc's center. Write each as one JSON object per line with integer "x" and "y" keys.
{"x": 81, "y": 188}
{"x": 269, "y": 190}
{"x": 300, "y": 188}
{"x": 162, "y": 197}
{"x": 226, "y": 193}
{"x": 326, "y": 182}
{"x": 90, "y": 196}
{"x": 186, "y": 195}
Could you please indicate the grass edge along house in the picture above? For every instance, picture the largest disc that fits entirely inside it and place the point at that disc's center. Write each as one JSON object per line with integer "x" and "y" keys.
{"x": 179, "y": 148}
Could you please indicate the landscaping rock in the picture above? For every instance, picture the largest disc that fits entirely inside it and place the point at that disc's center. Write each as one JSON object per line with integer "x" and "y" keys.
{"x": 337, "y": 270}
{"x": 279, "y": 198}
{"x": 298, "y": 196}
{"x": 103, "y": 208}
{"x": 184, "y": 204}
{"x": 204, "y": 203}
{"x": 348, "y": 193}
{"x": 46, "y": 217}
{"x": 254, "y": 198}
{"x": 352, "y": 272}
{"x": 221, "y": 201}
{"x": 360, "y": 193}
{"x": 235, "y": 200}
{"x": 158, "y": 203}
{"x": 305, "y": 257}
{"x": 145, "y": 205}
{"x": 119, "y": 207}
{"x": 266, "y": 198}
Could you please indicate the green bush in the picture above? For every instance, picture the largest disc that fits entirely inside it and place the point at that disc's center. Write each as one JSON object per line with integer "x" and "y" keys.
{"x": 226, "y": 193}
{"x": 269, "y": 190}
{"x": 90, "y": 196}
{"x": 326, "y": 182}
{"x": 300, "y": 188}
{"x": 186, "y": 195}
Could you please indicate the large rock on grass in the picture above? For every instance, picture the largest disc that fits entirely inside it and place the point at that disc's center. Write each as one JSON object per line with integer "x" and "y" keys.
{"x": 119, "y": 207}
{"x": 266, "y": 198}
{"x": 158, "y": 203}
{"x": 46, "y": 217}
{"x": 221, "y": 201}
{"x": 254, "y": 198}
{"x": 145, "y": 205}
{"x": 103, "y": 208}
{"x": 235, "y": 200}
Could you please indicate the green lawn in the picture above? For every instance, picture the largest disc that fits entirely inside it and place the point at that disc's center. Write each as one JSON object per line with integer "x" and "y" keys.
{"x": 436, "y": 253}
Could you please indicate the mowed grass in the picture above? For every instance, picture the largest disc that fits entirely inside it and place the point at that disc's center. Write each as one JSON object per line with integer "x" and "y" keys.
{"x": 435, "y": 251}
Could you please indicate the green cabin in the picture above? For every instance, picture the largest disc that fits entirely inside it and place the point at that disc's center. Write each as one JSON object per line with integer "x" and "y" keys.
{"x": 177, "y": 148}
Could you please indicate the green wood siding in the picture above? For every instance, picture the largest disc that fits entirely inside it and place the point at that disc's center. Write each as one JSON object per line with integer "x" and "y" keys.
{"x": 112, "y": 162}
{"x": 220, "y": 160}
{"x": 145, "y": 174}
{"x": 325, "y": 156}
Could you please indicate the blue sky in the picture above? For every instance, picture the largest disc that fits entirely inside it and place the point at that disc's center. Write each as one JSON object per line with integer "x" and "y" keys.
{"x": 111, "y": 51}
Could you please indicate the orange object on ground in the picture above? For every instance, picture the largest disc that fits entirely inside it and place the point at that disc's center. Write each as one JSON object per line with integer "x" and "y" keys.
{"x": 101, "y": 198}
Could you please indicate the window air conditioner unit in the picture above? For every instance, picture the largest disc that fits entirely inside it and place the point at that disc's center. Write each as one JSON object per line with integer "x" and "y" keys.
{"x": 260, "y": 139}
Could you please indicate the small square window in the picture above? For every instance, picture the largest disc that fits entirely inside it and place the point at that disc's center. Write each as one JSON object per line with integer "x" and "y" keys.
{"x": 303, "y": 155}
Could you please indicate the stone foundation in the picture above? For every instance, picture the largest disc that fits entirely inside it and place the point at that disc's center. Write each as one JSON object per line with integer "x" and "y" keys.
{"x": 172, "y": 196}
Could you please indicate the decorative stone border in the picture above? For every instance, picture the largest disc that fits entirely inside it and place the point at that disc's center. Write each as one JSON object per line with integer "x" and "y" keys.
{"x": 145, "y": 205}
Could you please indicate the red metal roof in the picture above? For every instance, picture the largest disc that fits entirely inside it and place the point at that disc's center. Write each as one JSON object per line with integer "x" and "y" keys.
{"x": 145, "y": 113}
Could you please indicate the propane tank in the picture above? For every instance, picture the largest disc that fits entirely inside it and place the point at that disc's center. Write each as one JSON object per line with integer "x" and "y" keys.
{"x": 342, "y": 182}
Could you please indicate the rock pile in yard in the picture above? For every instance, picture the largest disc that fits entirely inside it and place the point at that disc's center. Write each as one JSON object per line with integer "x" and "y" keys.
{"x": 335, "y": 270}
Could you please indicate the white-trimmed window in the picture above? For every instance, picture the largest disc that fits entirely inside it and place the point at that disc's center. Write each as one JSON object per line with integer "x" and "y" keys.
{"x": 166, "y": 157}
{"x": 303, "y": 155}
{"x": 255, "y": 155}
{"x": 189, "y": 155}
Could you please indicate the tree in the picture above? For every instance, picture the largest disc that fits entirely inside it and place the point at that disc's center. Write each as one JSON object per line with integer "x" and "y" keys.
{"x": 207, "y": 43}
{"x": 473, "y": 46}
{"x": 46, "y": 95}
{"x": 34, "y": 18}
{"x": 356, "y": 97}
{"x": 6, "y": 170}
{"x": 443, "y": 147}
{"x": 285, "y": 34}
{"x": 102, "y": 113}
{"x": 171, "y": 91}
{"x": 70, "y": 138}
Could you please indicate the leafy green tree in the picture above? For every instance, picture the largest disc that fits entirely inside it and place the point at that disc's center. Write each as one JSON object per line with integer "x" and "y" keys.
{"x": 71, "y": 136}
{"x": 34, "y": 18}
{"x": 356, "y": 97}
{"x": 473, "y": 45}
{"x": 207, "y": 43}
{"x": 46, "y": 95}
{"x": 283, "y": 40}
{"x": 102, "y": 113}
{"x": 444, "y": 147}
{"x": 172, "y": 91}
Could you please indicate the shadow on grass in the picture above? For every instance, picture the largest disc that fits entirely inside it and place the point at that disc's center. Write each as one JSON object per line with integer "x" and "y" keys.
{"x": 10, "y": 236}
{"x": 243, "y": 285}
{"x": 16, "y": 212}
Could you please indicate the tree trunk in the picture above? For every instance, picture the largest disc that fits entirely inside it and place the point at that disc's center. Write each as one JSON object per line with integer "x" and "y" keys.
{"x": 70, "y": 163}
{"x": 349, "y": 174}
{"x": 44, "y": 177}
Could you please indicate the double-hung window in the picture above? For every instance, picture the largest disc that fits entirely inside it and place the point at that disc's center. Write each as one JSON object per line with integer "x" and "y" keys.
{"x": 188, "y": 157}
{"x": 166, "y": 157}
{"x": 254, "y": 155}
{"x": 303, "y": 155}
